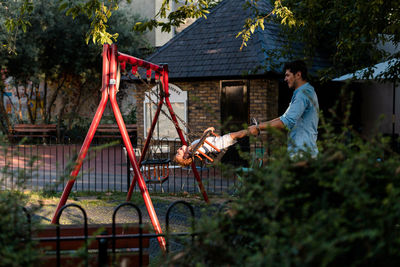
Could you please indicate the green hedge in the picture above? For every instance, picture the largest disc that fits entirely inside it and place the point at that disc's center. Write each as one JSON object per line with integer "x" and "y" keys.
{"x": 16, "y": 247}
{"x": 342, "y": 208}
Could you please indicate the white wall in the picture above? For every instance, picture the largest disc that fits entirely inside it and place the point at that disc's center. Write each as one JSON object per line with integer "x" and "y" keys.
{"x": 148, "y": 9}
{"x": 377, "y": 108}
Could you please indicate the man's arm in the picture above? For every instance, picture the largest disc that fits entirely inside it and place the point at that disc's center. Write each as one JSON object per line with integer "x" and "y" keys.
{"x": 295, "y": 110}
{"x": 275, "y": 123}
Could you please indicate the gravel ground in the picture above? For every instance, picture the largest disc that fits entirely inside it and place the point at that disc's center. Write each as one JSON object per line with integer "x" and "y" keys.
{"x": 99, "y": 211}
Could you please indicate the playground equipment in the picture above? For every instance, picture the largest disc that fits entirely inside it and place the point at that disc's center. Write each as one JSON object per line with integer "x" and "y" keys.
{"x": 156, "y": 170}
{"x": 112, "y": 59}
{"x": 203, "y": 140}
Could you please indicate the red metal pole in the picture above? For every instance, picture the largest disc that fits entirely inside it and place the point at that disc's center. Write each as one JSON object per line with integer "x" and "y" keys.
{"x": 90, "y": 134}
{"x": 178, "y": 129}
{"x": 139, "y": 62}
{"x": 129, "y": 149}
{"x": 163, "y": 70}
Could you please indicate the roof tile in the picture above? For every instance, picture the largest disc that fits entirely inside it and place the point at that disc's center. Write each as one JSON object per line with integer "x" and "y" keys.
{"x": 209, "y": 47}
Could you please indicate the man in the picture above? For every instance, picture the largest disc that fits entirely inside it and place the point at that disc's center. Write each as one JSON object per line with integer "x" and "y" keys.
{"x": 301, "y": 117}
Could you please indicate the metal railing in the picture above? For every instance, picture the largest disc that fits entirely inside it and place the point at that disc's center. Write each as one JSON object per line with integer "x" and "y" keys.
{"x": 105, "y": 168}
{"x": 104, "y": 239}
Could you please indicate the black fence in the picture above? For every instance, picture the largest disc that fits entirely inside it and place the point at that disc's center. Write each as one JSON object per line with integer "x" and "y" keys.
{"x": 106, "y": 167}
{"x": 105, "y": 253}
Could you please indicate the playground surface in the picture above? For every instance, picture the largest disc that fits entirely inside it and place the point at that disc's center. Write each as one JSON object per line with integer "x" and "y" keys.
{"x": 99, "y": 208}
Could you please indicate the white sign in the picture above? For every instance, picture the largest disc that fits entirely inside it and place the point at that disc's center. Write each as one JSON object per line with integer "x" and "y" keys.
{"x": 165, "y": 129}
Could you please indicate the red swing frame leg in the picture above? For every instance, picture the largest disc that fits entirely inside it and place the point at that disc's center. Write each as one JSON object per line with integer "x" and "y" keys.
{"x": 129, "y": 149}
{"x": 90, "y": 134}
{"x": 110, "y": 72}
{"x": 194, "y": 169}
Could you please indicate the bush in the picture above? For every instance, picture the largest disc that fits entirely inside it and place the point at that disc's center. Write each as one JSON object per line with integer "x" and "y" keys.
{"x": 16, "y": 247}
{"x": 79, "y": 129}
{"x": 341, "y": 208}
{"x": 130, "y": 118}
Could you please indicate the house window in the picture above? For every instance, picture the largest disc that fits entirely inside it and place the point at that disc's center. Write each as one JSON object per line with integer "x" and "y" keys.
{"x": 165, "y": 129}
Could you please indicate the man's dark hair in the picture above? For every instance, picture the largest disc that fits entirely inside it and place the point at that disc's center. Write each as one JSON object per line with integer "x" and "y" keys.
{"x": 296, "y": 66}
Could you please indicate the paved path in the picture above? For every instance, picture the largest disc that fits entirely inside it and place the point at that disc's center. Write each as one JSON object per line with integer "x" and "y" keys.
{"x": 49, "y": 166}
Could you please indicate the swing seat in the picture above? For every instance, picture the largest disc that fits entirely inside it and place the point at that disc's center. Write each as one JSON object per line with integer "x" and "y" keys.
{"x": 201, "y": 143}
{"x": 156, "y": 171}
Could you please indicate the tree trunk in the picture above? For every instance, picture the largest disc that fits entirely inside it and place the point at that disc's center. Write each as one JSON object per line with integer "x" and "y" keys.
{"x": 19, "y": 112}
{"x": 53, "y": 100}
{"x": 60, "y": 119}
{"x": 44, "y": 101}
{"x": 32, "y": 118}
{"x": 76, "y": 106}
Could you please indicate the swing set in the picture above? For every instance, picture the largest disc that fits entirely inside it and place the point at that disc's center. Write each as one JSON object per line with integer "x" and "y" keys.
{"x": 196, "y": 152}
{"x": 112, "y": 60}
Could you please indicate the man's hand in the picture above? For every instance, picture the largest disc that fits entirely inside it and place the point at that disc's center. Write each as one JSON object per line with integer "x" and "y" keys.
{"x": 254, "y": 130}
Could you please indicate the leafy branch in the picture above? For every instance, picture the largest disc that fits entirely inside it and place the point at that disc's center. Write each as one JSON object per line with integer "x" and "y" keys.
{"x": 99, "y": 12}
{"x": 16, "y": 20}
{"x": 191, "y": 9}
{"x": 279, "y": 11}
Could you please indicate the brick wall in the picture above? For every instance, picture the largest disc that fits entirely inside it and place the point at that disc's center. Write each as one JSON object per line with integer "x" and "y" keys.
{"x": 263, "y": 99}
{"x": 204, "y": 102}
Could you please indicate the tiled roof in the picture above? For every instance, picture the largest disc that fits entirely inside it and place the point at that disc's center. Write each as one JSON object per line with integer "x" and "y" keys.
{"x": 209, "y": 47}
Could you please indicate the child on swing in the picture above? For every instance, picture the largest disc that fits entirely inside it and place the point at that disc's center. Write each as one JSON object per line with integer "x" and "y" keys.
{"x": 184, "y": 154}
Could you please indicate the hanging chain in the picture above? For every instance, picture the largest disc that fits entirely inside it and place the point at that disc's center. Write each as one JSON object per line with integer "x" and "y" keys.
{"x": 187, "y": 133}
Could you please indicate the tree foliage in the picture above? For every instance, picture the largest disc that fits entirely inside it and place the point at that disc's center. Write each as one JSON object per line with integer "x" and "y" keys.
{"x": 17, "y": 220}
{"x": 166, "y": 18}
{"x": 340, "y": 209}
{"x": 349, "y": 32}
{"x": 16, "y": 246}
{"x": 14, "y": 16}
{"x": 53, "y": 52}
{"x": 99, "y": 12}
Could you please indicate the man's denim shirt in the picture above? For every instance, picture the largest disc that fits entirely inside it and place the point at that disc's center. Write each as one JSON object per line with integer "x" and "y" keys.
{"x": 301, "y": 118}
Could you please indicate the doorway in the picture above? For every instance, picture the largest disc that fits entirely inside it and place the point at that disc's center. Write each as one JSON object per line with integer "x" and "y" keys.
{"x": 234, "y": 114}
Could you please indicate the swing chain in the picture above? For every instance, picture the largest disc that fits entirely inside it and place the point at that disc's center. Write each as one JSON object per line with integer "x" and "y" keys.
{"x": 176, "y": 124}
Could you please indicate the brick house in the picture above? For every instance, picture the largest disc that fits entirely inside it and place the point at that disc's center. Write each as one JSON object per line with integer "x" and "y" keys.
{"x": 225, "y": 86}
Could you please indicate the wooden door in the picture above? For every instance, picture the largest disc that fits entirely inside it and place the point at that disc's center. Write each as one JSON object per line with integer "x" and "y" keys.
{"x": 234, "y": 115}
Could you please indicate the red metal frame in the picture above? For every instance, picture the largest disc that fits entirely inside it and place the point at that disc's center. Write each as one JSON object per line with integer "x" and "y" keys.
{"x": 91, "y": 132}
{"x": 111, "y": 57}
{"x": 164, "y": 98}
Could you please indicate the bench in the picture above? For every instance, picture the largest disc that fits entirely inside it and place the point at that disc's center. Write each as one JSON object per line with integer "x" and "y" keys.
{"x": 112, "y": 130}
{"x": 72, "y": 238}
{"x": 33, "y": 130}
